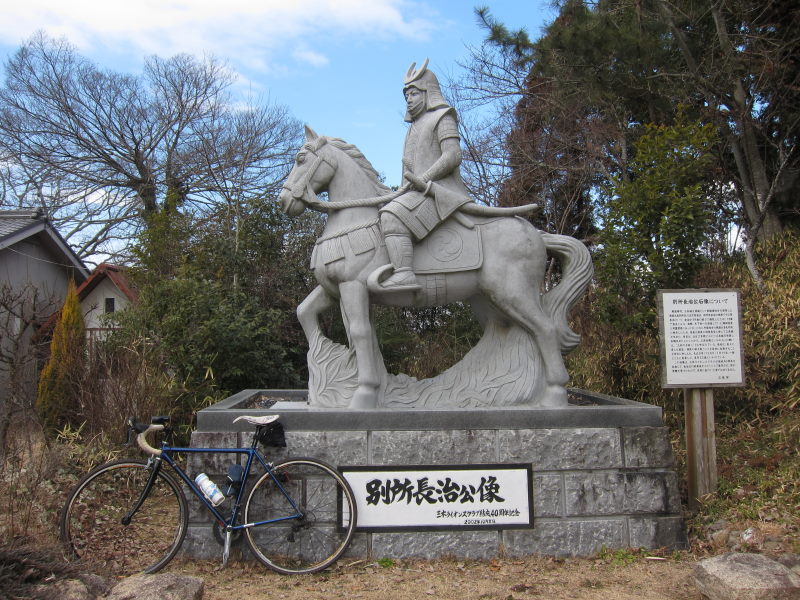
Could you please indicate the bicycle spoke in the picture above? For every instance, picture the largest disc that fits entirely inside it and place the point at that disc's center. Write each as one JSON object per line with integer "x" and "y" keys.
{"x": 92, "y": 528}
{"x": 317, "y": 538}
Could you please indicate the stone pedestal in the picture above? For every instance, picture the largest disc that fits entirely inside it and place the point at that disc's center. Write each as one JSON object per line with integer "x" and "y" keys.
{"x": 603, "y": 469}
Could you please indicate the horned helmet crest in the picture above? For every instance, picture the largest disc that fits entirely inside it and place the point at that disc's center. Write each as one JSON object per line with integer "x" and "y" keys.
{"x": 423, "y": 79}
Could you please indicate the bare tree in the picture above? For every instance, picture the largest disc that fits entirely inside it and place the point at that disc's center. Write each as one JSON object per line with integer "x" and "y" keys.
{"x": 747, "y": 73}
{"x": 534, "y": 146}
{"x": 22, "y": 310}
{"x": 106, "y": 152}
{"x": 485, "y": 94}
{"x": 242, "y": 174}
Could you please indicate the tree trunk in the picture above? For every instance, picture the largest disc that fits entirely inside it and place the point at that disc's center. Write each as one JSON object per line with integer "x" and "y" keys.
{"x": 762, "y": 219}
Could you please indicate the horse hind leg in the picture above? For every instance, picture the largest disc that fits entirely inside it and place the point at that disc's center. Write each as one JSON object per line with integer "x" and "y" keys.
{"x": 527, "y": 312}
{"x": 513, "y": 292}
{"x": 513, "y": 269}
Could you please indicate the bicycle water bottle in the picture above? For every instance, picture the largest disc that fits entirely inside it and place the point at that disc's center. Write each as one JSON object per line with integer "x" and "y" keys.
{"x": 209, "y": 489}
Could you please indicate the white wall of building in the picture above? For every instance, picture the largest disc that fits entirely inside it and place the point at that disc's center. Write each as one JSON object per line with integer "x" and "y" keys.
{"x": 94, "y": 304}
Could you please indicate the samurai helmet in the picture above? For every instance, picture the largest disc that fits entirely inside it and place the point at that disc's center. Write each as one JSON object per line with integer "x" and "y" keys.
{"x": 426, "y": 81}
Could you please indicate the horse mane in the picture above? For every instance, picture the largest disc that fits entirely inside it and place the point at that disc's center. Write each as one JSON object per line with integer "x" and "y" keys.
{"x": 361, "y": 161}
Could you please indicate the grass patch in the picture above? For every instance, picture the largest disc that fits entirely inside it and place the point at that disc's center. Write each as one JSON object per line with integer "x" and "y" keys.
{"x": 620, "y": 556}
{"x": 759, "y": 486}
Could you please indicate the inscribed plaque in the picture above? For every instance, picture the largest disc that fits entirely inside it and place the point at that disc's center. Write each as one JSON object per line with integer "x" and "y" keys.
{"x": 437, "y": 497}
{"x": 701, "y": 342}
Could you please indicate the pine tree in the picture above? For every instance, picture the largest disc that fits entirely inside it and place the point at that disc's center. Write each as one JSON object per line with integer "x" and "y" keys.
{"x": 58, "y": 401}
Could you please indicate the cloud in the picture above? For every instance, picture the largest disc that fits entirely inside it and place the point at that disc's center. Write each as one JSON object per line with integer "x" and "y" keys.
{"x": 250, "y": 30}
{"x": 313, "y": 58}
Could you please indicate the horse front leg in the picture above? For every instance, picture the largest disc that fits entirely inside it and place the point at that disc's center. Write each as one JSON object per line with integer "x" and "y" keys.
{"x": 309, "y": 309}
{"x": 361, "y": 333}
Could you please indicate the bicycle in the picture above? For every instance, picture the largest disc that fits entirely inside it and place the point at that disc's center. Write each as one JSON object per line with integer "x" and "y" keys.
{"x": 128, "y": 516}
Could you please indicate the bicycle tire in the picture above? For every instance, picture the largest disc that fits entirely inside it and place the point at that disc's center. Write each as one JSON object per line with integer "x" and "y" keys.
{"x": 313, "y": 542}
{"x": 91, "y": 527}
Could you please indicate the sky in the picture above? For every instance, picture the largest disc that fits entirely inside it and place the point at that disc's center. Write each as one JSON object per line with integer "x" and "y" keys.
{"x": 337, "y": 65}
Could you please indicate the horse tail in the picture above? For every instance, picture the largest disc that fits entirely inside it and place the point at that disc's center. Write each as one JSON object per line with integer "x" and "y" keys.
{"x": 576, "y": 273}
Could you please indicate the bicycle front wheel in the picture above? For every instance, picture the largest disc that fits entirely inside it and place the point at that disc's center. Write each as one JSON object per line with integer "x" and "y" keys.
{"x": 322, "y": 532}
{"x": 91, "y": 521}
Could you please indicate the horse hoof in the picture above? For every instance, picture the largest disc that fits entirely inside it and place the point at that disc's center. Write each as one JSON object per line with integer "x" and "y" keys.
{"x": 555, "y": 396}
{"x": 364, "y": 398}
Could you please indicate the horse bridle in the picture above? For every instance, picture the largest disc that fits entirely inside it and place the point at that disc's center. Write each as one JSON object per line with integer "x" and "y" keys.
{"x": 302, "y": 190}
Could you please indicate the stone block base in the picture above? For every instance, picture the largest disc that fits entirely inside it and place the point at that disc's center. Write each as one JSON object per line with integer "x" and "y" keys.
{"x": 607, "y": 485}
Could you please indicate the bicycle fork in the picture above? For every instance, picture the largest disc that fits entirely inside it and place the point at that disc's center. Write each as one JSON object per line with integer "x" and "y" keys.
{"x": 154, "y": 466}
{"x": 155, "y": 461}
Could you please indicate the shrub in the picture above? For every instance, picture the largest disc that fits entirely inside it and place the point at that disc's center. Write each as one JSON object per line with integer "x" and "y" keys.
{"x": 624, "y": 360}
{"x": 58, "y": 396}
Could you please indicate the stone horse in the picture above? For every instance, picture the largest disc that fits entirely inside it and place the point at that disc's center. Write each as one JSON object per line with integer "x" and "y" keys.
{"x": 502, "y": 286}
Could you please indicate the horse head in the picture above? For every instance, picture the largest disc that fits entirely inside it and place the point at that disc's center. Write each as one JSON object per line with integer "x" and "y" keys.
{"x": 332, "y": 165}
{"x": 312, "y": 171}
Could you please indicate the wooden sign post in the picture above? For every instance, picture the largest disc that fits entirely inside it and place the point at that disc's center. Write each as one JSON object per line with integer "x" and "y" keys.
{"x": 701, "y": 443}
{"x": 701, "y": 348}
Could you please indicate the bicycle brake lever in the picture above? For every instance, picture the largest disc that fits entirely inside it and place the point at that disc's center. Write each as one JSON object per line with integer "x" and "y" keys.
{"x": 131, "y": 422}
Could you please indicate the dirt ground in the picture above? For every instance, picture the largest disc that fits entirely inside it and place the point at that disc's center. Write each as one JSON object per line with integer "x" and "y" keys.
{"x": 584, "y": 579}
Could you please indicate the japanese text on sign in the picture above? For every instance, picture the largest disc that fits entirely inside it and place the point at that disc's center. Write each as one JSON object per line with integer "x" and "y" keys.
{"x": 701, "y": 341}
{"x": 396, "y": 498}
{"x": 447, "y": 490}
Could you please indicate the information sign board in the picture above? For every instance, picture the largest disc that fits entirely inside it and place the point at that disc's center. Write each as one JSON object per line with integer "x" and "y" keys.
{"x": 701, "y": 342}
{"x": 436, "y": 497}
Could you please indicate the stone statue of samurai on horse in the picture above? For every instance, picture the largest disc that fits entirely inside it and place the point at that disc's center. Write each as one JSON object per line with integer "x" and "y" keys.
{"x": 426, "y": 244}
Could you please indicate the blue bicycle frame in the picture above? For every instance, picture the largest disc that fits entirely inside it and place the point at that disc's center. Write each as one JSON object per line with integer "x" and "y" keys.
{"x": 252, "y": 452}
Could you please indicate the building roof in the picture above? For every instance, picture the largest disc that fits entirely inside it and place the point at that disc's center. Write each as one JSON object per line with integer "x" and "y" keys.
{"x": 19, "y": 225}
{"x": 113, "y": 272}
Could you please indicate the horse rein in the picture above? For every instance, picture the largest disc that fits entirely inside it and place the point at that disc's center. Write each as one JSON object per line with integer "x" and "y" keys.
{"x": 302, "y": 191}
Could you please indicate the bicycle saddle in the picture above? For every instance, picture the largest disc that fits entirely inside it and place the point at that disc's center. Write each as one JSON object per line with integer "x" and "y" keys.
{"x": 265, "y": 420}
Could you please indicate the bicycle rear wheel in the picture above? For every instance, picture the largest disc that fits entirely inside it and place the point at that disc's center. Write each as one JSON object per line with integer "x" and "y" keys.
{"x": 319, "y": 536}
{"x": 91, "y": 521}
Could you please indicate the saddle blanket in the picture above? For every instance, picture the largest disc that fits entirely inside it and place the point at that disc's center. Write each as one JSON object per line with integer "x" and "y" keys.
{"x": 450, "y": 247}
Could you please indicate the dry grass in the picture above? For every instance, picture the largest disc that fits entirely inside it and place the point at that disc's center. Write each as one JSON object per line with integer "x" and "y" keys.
{"x": 757, "y": 504}
{"x": 37, "y": 474}
{"x": 532, "y": 577}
